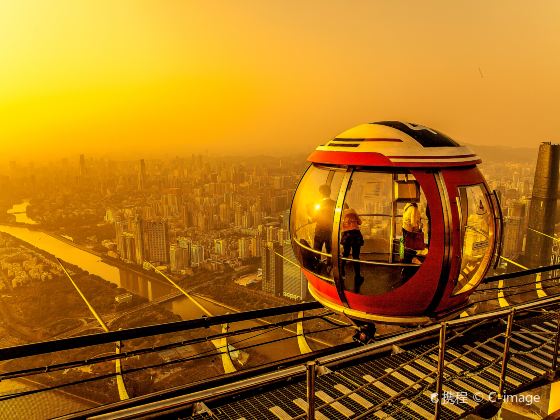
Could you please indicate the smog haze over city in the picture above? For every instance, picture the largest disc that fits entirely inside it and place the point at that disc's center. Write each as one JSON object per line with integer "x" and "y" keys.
{"x": 152, "y": 152}
{"x": 169, "y": 78}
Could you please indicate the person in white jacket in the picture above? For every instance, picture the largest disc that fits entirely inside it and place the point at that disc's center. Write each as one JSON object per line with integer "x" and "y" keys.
{"x": 411, "y": 218}
{"x": 413, "y": 236}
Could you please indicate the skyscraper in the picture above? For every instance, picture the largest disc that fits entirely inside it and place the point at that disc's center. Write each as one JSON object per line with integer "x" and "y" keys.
{"x": 141, "y": 175}
{"x": 179, "y": 257}
{"x": 138, "y": 232}
{"x": 542, "y": 213}
{"x": 129, "y": 247}
{"x": 197, "y": 255}
{"x": 119, "y": 230}
{"x": 513, "y": 230}
{"x": 294, "y": 282}
{"x": 272, "y": 268}
{"x": 256, "y": 246}
{"x": 243, "y": 247}
{"x": 170, "y": 203}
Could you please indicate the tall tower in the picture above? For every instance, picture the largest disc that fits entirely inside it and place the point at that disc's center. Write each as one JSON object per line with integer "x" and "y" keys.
{"x": 542, "y": 213}
{"x": 141, "y": 175}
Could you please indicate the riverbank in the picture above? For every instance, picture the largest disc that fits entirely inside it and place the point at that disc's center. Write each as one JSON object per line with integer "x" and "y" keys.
{"x": 115, "y": 262}
{"x": 40, "y": 309}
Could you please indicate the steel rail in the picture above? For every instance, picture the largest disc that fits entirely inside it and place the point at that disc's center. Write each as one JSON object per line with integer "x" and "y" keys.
{"x": 49, "y": 346}
{"x": 154, "y": 349}
{"x": 521, "y": 273}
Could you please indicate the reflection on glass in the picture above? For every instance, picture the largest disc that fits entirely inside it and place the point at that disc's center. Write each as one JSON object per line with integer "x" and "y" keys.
{"x": 312, "y": 218}
{"x": 374, "y": 257}
{"x": 476, "y": 234}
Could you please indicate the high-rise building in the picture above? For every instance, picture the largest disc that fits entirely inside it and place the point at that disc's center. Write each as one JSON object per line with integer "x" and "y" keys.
{"x": 220, "y": 247}
{"x": 129, "y": 247}
{"x": 272, "y": 268}
{"x": 244, "y": 247}
{"x": 197, "y": 255}
{"x": 286, "y": 220}
{"x": 542, "y": 213}
{"x": 119, "y": 230}
{"x": 246, "y": 220}
{"x": 238, "y": 215}
{"x": 223, "y": 210}
{"x": 170, "y": 203}
{"x": 256, "y": 214}
{"x": 294, "y": 282}
{"x": 256, "y": 246}
{"x": 138, "y": 232}
{"x": 271, "y": 233}
{"x": 156, "y": 240}
{"x": 513, "y": 230}
{"x": 179, "y": 257}
{"x": 141, "y": 175}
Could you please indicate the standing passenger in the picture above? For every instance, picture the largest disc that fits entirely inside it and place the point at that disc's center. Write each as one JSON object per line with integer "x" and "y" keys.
{"x": 352, "y": 240}
{"x": 413, "y": 236}
{"x": 323, "y": 217}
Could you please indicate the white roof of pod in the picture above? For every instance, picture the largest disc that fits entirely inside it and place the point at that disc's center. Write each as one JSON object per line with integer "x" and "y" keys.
{"x": 401, "y": 143}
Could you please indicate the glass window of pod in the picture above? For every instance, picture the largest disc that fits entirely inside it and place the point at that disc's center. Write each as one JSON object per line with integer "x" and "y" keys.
{"x": 371, "y": 235}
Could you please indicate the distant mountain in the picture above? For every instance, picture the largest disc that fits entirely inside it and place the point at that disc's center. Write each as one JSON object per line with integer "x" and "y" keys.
{"x": 504, "y": 153}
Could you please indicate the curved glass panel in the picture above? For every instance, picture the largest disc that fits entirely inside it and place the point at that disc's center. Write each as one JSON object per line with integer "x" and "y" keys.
{"x": 477, "y": 235}
{"x": 377, "y": 253}
{"x": 311, "y": 218}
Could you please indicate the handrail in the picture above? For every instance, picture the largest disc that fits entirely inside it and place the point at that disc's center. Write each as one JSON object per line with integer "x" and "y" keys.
{"x": 352, "y": 260}
{"x": 381, "y": 263}
{"x": 311, "y": 249}
{"x": 520, "y": 273}
{"x": 43, "y": 347}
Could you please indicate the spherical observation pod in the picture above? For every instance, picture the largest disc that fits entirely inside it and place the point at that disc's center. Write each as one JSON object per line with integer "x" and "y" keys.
{"x": 393, "y": 222}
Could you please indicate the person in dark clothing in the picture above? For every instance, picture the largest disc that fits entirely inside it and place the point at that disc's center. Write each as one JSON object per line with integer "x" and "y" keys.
{"x": 323, "y": 217}
{"x": 352, "y": 240}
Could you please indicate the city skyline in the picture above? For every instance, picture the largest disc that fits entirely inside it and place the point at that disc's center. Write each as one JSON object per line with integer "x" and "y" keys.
{"x": 146, "y": 238}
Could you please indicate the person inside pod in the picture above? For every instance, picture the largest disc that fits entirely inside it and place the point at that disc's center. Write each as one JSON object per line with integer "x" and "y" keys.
{"x": 352, "y": 240}
{"x": 323, "y": 217}
{"x": 413, "y": 236}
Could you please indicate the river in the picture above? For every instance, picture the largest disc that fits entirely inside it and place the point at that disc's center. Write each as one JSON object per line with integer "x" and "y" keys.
{"x": 20, "y": 212}
{"x": 127, "y": 279}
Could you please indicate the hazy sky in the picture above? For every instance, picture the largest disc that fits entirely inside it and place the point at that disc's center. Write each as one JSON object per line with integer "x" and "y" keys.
{"x": 178, "y": 76}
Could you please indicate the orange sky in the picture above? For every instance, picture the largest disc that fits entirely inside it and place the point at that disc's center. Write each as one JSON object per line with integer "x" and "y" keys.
{"x": 173, "y": 77}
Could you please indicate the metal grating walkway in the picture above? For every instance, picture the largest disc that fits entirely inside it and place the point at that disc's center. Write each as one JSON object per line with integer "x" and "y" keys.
{"x": 402, "y": 385}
